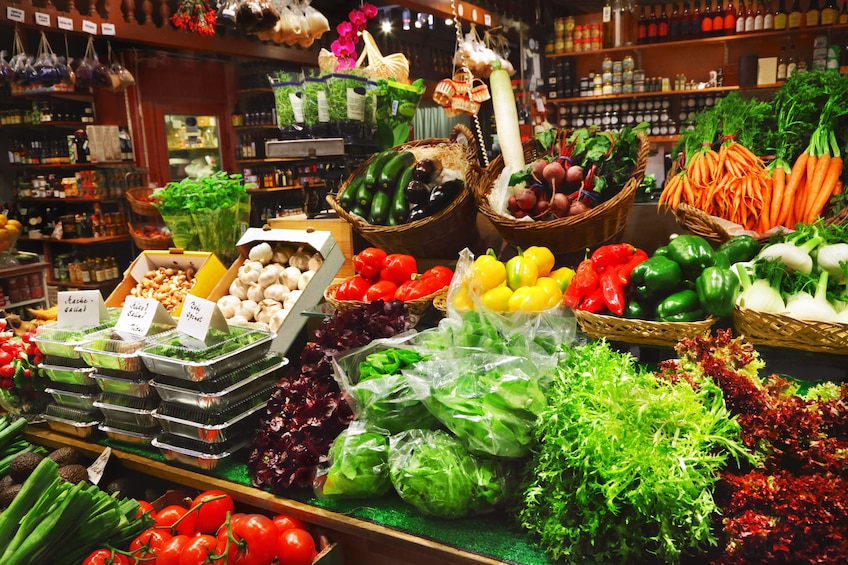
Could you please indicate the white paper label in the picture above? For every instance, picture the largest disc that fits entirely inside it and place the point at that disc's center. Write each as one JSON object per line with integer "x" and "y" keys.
{"x": 64, "y": 23}
{"x": 323, "y": 108}
{"x": 487, "y": 19}
{"x": 139, "y": 314}
{"x": 96, "y": 469}
{"x": 89, "y": 27}
{"x": 198, "y": 316}
{"x": 81, "y": 308}
{"x": 607, "y": 14}
{"x": 42, "y": 19}
{"x": 297, "y": 106}
{"x": 107, "y": 29}
{"x": 356, "y": 104}
{"x": 474, "y": 15}
{"x": 15, "y": 14}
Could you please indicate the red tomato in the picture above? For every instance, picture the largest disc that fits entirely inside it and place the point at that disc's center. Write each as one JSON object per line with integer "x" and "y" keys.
{"x": 256, "y": 539}
{"x": 146, "y": 545}
{"x": 284, "y": 523}
{"x": 106, "y": 557}
{"x": 296, "y": 547}
{"x": 169, "y": 553}
{"x": 168, "y": 516}
{"x": 198, "y": 550}
{"x": 212, "y": 513}
{"x": 144, "y": 506}
{"x": 5, "y": 357}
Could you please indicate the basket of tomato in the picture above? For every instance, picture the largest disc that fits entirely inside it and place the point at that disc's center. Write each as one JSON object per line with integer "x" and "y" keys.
{"x": 384, "y": 276}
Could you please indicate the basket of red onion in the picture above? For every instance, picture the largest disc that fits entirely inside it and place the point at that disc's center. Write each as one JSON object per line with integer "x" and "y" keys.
{"x": 576, "y": 192}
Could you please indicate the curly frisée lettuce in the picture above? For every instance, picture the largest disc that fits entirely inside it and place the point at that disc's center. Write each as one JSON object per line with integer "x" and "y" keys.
{"x": 627, "y": 463}
{"x": 359, "y": 464}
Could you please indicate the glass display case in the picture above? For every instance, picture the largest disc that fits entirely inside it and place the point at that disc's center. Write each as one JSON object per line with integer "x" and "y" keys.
{"x": 194, "y": 146}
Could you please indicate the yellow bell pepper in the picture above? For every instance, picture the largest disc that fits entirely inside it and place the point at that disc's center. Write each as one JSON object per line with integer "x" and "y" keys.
{"x": 528, "y": 299}
{"x": 552, "y": 290}
{"x": 461, "y": 299}
{"x": 487, "y": 272}
{"x": 497, "y": 299}
{"x": 543, "y": 257}
{"x": 563, "y": 277}
{"x": 521, "y": 271}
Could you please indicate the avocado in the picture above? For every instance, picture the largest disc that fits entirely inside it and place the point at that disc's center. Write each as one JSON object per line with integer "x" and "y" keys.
{"x": 73, "y": 473}
{"x": 6, "y": 482}
{"x": 24, "y": 464}
{"x": 65, "y": 456}
{"x": 124, "y": 487}
{"x": 8, "y": 495}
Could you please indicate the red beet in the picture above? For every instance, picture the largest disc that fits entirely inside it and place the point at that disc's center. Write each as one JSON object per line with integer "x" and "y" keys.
{"x": 559, "y": 205}
{"x": 538, "y": 168}
{"x": 526, "y": 200}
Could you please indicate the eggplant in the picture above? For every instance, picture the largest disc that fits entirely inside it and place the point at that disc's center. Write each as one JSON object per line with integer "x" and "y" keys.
{"x": 444, "y": 194}
{"x": 417, "y": 192}
{"x": 426, "y": 170}
{"x": 418, "y": 212}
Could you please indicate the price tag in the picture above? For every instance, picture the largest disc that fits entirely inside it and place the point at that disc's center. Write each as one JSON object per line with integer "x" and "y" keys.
{"x": 487, "y": 19}
{"x": 107, "y": 29}
{"x": 607, "y": 14}
{"x": 139, "y": 315}
{"x": 81, "y": 308}
{"x": 199, "y": 316}
{"x": 64, "y": 23}
{"x": 42, "y": 19}
{"x": 15, "y": 14}
{"x": 96, "y": 469}
{"x": 89, "y": 27}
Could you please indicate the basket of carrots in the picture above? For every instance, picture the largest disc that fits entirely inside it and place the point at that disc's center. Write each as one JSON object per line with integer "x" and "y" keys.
{"x": 719, "y": 185}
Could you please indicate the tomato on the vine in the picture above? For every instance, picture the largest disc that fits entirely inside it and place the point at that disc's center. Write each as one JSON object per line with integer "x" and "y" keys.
{"x": 104, "y": 556}
{"x": 169, "y": 553}
{"x": 284, "y": 523}
{"x": 296, "y": 547}
{"x": 147, "y": 544}
{"x": 170, "y": 515}
{"x": 199, "y": 550}
{"x": 213, "y": 512}
{"x": 144, "y": 506}
{"x": 254, "y": 537}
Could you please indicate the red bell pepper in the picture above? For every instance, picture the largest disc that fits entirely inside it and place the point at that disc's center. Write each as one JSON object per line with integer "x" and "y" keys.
{"x": 584, "y": 283}
{"x": 609, "y": 255}
{"x": 369, "y": 262}
{"x": 412, "y": 289}
{"x": 398, "y": 268}
{"x": 627, "y": 268}
{"x": 353, "y": 288}
{"x": 381, "y": 290}
{"x": 594, "y": 302}
{"x": 437, "y": 277}
{"x": 612, "y": 289}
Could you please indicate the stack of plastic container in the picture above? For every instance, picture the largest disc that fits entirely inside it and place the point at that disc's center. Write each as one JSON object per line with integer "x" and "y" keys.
{"x": 73, "y": 387}
{"x": 127, "y": 400}
{"x": 212, "y": 393}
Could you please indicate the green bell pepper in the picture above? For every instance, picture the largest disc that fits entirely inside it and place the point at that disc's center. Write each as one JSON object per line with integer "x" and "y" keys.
{"x": 680, "y": 307}
{"x": 693, "y": 253}
{"x": 638, "y": 311}
{"x": 717, "y": 289}
{"x": 739, "y": 248}
{"x": 521, "y": 271}
{"x": 654, "y": 276}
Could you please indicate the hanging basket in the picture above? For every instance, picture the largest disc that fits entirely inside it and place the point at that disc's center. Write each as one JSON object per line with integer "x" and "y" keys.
{"x": 394, "y": 66}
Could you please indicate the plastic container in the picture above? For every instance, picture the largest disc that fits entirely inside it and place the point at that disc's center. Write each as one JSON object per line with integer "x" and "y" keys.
{"x": 67, "y": 362}
{"x": 71, "y": 421}
{"x": 62, "y": 342}
{"x": 129, "y": 436}
{"x": 68, "y": 375}
{"x": 173, "y": 354}
{"x": 82, "y": 401}
{"x": 222, "y": 391}
{"x": 196, "y": 454}
{"x": 127, "y": 387}
{"x": 109, "y": 349}
{"x": 127, "y": 412}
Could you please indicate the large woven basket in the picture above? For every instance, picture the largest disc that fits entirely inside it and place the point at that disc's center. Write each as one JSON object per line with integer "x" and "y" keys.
{"x": 441, "y": 235}
{"x": 138, "y": 197}
{"x": 144, "y": 242}
{"x": 418, "y": 307}
{"x": 776, "y": 330}
{"x": 640, "y": 332}
{"x": 600, "y": 225}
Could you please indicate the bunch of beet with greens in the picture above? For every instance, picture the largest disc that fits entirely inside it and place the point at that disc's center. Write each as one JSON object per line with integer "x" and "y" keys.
{"x": 307, "y": 410}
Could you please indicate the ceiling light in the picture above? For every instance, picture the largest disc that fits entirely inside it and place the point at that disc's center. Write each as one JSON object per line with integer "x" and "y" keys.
{"x": 386, "y": 25}
{"x": 430, "y": 21}
{"x": 406, "y": 19}
{"x": 448, "y": 21}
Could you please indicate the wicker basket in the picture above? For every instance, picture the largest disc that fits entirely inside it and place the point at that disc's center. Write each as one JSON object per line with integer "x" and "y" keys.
{"x": 144, "y": 242}
{"x": 600, "y": 225}
{"x": 776, "y": 330}
{"x": 640, "y": 332}
{"x": 440, "y": 303}
{"x": 417, "y": 307}
{"x": 138, "y": 198}
{"x": 441, "y": 235}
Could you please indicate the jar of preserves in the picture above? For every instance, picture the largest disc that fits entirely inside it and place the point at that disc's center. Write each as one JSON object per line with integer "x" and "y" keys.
{"x": 627, "y": 63}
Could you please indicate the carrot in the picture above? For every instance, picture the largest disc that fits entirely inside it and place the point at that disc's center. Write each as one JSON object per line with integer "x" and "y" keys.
{"x": 831, "y": 178}
{"x": 804, "y": 202}
{"x": 837, "y": 190}
{"x": 765, "y": 205}
{"x": 816, "y": 186}
{"x": 778, "y": 185}
{"x": 795, "y": 176}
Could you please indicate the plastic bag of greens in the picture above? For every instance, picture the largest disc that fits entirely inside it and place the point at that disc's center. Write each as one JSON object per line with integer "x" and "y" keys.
{"x": 396, "y": 105}
{"x": 490, "y": 402}
{"x": 358, "y": 464}
{"x": 183, "y": 229}
{"x": 372, "y": 378}
{"x": 346, "y": 98}
{"x": 219, "y": 229}
{"x": 433, "y": 472}
{"x": 288, "y": 98}
{"x": 316, "y": 115}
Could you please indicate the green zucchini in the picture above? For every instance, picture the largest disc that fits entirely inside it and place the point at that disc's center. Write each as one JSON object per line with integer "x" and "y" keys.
{"x": 347, "y": 198}
{"x": 358, "y": 211}
{"x": 392, "y": 170}
{"x": 363, "y": 197}
{"x": 380, "y": 206}
{"x": 372, "y": 173}
{"x": 400, "y": 205}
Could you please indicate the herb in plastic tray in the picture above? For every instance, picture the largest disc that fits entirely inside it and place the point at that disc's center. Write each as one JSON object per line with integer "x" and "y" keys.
{"x": 112, "y": 341}
{"x": 56, "y": 333}
{"x": 314, "y": 90}
{"x": 177, "y": 347}
{"x": 213, "y": 418}
{"x": 134, "y": 402}
{"x": 344, "y": 101}
{"x": 220, "y": 382}
{"x": 284, "y": 85}
{"x": 202, "y": 447}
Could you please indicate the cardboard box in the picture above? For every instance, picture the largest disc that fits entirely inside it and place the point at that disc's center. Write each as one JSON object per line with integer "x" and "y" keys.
{"x": 321, "y": 241}
{"x": 341, "y": 230}
{"x": 208, "y": 271}
{"x": 326, "y": 147}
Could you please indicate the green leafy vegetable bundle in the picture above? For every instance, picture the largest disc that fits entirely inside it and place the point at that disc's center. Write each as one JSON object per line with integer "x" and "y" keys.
{"x": 287, "y": 89}
{"x": 396, "y": 104}
{"x": 432, "y": 471}
{"x": 359, "y": 464}
{"x": 626, "y": 463}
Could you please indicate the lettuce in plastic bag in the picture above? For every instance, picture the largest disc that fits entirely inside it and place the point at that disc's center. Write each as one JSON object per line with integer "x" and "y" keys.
{"x": 358, "y": 464}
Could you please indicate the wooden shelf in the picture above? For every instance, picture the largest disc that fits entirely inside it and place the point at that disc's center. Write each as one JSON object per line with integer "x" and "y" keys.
{"x": 257, "y": 90}
{"x": 79, "y": 240}
{"x": 256, "y": 127}
{"x": 71, "y": 125}
{"x": 70, "y": 166}
{"x": 53, "y": 200}
{"x": 799, "y": 33}
{"x": 23, "y": 269}
{"x": 73, "y": 96}
{"x": 86, "y": 286}
{"x": 22, "y": 303}
{"x": 282, "y": 188}
{"x": 590, "y": 99}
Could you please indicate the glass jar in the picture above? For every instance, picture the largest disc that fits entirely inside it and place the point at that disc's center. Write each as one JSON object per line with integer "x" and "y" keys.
{"x": 627, "y": 64}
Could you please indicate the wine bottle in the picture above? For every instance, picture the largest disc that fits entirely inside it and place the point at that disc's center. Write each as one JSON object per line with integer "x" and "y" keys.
{"x": 707, "y": 20}
{"x": 749, "y": 17}
{"x": 829, "y": 13}
{"x": 758, "y": 17}
{"x": 686, "y": 22}
{"x": 780, "y": 16}
{"x": 674, "y": 23}
{"x": 843, "y": 15}
{"x": 794, "y": 19}
{"x": 662, "y": 27}
{"x": 696, "y": 20}
{"x": 740, "y": 18}
{"x": 608, "y": 28}
{"x": 813, "y": 14}
{"x": 718, "y": 19}
{"x": 642, "y": 33}
{"x": 652, "y": 25}
{"x": 729, "y": 19}
{"x": 768, "y": 18}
